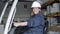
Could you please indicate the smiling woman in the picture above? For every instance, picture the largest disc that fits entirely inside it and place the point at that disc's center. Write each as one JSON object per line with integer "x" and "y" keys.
{"x": 36, "y": 22}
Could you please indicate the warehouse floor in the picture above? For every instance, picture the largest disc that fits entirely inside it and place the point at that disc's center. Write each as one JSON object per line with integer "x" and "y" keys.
{"x": 1, "y": 29}
{"x": 12, "y": 31}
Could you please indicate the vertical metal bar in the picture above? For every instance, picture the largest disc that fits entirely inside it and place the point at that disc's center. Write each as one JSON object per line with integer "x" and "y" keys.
{"x": 10, "y": 16}
{"x": 12, "y": 19}
{"x": 1, "y": 17}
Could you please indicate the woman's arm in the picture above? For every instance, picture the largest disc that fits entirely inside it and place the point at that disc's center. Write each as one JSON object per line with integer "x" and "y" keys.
{"x": 20, "y": 24}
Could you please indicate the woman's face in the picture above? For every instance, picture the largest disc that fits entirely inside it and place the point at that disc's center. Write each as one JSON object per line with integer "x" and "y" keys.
{"x": 36, "y": 10}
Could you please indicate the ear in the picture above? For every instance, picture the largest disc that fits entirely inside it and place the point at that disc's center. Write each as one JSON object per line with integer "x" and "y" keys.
{"x": 39, "y": 9}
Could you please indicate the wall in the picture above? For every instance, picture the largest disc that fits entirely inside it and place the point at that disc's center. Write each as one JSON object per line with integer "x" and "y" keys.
{"x": 22, "y": 13}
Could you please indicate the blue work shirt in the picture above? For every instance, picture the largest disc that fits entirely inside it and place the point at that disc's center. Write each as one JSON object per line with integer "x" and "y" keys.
{"x": 36, "y": 24}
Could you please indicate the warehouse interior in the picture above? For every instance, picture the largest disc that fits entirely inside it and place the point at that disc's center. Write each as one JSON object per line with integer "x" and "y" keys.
{"x": 50, "y": 9}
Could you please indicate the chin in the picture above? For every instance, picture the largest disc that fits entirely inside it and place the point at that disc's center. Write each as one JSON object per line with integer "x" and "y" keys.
{"x": 36, "y": 13}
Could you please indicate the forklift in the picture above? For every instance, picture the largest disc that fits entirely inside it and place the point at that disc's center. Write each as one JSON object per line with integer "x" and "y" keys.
{"x": 9, "y": 28}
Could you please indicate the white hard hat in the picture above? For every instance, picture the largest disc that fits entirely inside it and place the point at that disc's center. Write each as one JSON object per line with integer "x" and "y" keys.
{"x": 36, "y": 4}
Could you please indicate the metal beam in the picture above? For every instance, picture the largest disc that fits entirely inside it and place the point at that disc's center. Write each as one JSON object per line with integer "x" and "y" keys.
{"x": 10, "y": 16}
{"x": 3, "y": 12}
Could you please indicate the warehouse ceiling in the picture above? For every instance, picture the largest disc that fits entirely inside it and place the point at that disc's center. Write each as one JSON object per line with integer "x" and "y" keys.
{"x": 18, "y": 0}
{"x": 43, "y": 1}
{"x": 24, "y": 0}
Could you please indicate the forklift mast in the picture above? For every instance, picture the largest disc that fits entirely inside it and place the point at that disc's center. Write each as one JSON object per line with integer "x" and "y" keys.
{"x": 10, "y": 15}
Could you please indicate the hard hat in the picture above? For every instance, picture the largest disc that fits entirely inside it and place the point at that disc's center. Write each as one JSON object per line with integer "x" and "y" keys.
{"x": 36, "y": 4}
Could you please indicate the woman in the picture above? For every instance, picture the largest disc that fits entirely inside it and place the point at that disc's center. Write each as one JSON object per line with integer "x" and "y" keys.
{"x": 36, "y": 21}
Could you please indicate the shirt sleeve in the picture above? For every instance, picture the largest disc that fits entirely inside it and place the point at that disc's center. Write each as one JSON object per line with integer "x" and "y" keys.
{"x": 30, "y": 22}
{"x": 37, "y": 21}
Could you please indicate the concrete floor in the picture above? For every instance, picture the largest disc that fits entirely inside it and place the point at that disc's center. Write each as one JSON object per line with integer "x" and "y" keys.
{"x": 1, "y": 29}
{"x": 12, "y": 30}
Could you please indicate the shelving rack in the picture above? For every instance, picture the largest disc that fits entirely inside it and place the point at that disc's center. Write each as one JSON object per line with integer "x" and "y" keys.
{"x": 51, "y": 15}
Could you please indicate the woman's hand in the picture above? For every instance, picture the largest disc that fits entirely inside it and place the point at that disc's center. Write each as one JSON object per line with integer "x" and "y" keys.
{"x": 20, "y": 24}
{"x": 16, "y": 24}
